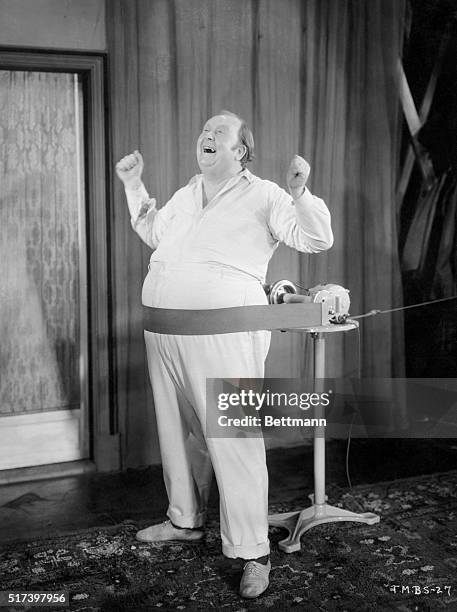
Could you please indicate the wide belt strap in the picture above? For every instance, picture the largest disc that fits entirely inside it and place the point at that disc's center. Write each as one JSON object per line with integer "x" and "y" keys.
{"x": 236, "y": 319}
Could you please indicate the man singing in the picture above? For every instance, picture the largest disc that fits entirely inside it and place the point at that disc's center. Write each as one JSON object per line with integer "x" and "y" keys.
{"x": 211, "y": 244}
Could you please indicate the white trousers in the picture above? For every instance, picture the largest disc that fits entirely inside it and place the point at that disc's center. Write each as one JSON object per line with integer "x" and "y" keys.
{"x": 178, "y": 368}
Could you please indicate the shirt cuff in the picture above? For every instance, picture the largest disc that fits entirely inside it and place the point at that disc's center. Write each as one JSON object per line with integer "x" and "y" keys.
{"x": 306, "y": 198}
{"x": 139, "y": 203}
{"x": 138, "y": 194}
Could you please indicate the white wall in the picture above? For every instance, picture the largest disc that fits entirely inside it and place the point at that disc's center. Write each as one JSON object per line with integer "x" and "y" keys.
{"x": 53, "y": 24}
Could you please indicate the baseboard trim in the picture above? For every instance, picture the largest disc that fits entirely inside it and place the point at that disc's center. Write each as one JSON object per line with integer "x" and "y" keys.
{"x": 41, "y": 438}
{"x": 45, "y": 472}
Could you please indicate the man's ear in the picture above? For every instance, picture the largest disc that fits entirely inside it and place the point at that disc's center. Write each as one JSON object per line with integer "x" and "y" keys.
{"x": 241, "y": 150}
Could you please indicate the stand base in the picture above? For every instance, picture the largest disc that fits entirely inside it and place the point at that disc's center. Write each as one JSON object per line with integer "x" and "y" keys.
{"x": 300, "y": 521}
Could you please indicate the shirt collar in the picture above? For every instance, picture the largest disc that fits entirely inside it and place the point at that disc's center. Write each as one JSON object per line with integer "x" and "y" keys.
{"x": 247, "y": 175}
{"x": 197, "y": 179}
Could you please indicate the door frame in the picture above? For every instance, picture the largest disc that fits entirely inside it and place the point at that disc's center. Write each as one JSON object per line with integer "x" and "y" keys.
{"x": 102, "y": 409}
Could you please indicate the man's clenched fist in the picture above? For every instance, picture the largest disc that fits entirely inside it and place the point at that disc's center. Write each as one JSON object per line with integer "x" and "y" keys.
{"x": 297, "y": 175}
{"x": 129, "y": 169}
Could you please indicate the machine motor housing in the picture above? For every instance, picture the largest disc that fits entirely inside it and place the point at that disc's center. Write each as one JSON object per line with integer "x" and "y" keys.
{"x": 334, "y": 296}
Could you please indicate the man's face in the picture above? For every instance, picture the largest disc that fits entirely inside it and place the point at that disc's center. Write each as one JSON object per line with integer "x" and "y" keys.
{"x": 218, "y": 147}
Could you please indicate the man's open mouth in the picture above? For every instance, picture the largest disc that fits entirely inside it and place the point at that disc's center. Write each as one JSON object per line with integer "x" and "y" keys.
{"x": 209, "y": 149}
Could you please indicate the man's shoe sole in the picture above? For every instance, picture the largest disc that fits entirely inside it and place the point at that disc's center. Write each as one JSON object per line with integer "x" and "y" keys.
{"x": 173, "y": 541}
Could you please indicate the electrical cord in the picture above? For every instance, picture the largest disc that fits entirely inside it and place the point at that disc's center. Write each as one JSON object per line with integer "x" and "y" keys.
{"x": 376, "y": 312}
{"x": 348, "y": 476}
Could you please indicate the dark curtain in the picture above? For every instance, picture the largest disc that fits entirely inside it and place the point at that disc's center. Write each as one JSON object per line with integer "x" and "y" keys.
{"x": 315, "y": 77}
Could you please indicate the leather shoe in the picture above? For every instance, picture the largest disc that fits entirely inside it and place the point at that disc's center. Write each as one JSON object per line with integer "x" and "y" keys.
{"x": 255, "y": 579}
{"x": 167, "y": 532}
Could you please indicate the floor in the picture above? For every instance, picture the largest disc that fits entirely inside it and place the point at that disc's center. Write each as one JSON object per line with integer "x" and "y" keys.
{"x": 47, "y": 507}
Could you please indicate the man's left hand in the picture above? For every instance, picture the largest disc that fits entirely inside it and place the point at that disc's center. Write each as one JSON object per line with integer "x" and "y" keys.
{"x": 297, "y": 175}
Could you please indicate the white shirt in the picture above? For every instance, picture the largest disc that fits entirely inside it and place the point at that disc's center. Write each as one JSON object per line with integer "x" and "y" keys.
{"x": 240, "y": 227}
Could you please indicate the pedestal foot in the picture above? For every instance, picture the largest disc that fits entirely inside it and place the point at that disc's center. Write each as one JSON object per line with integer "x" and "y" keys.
{"x": 298, "y": 522}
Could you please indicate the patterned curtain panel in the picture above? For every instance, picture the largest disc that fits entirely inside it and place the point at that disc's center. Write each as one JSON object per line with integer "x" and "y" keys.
{"x": 39, "y": 242}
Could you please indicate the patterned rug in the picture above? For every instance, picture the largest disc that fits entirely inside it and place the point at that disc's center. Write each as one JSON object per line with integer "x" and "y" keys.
{"x": 407, "y": 562}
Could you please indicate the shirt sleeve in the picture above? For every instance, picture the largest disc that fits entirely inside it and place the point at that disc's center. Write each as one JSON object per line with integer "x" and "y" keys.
{"x": 148, "y": 222}
{"x": 303, "y": 224}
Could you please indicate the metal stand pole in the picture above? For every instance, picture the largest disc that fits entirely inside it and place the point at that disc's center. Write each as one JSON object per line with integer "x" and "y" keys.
{"x": 319, "y": 431}
{"x": 319, "y": 512}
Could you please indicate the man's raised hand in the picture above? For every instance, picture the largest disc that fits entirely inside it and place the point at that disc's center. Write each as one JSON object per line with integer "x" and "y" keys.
{"x": 297, "y": 175}
{"x": 129, "y": 170}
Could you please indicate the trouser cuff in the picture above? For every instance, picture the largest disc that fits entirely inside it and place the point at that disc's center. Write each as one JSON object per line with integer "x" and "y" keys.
{"x": 192, "y": 521}
{"x": 246, "y": 552}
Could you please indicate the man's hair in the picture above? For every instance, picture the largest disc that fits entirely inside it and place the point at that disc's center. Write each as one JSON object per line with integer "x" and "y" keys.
{"x": 245, "y": 137}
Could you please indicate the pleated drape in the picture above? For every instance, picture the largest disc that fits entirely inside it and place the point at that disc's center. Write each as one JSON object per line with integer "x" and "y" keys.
{"x": 315, "y": 77}
{"x": 351, "y": 131}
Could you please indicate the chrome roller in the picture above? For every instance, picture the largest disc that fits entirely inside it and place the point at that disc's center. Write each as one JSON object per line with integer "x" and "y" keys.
{"x": 276, "y": 291}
